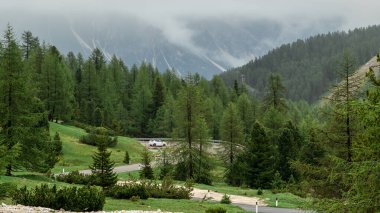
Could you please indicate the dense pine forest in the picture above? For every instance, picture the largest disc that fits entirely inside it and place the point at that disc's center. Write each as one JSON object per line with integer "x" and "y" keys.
{"x": 330, "y": 153}
{"x": 308, "y": 67}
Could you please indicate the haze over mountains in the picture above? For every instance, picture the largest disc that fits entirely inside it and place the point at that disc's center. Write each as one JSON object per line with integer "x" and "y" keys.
{"x": 194, "y": 39}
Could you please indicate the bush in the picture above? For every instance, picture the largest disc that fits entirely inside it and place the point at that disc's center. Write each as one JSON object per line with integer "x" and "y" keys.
{"x": 225, "y": 199}
{"x": 93, "y": 139}
{"x": 259, "y": 192}
{"x": 147, "y": 190}
{"x": 128, "y": 191}
{"x": 77, "y": 178}
{"x": 68, "y": 198}
{"x": 7, "y": 190}
{"x": 216, "y": 210}
{"x": 126, "y": 158}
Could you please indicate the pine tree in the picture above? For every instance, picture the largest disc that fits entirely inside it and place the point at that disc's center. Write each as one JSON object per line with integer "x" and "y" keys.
{"x": 102, "y": 166}
{"x": 146, "y": 171}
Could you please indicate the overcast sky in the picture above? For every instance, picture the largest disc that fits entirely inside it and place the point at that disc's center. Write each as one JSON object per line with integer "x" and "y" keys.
{"x": 354, "y": 12}
{"x": 170, "y": 16}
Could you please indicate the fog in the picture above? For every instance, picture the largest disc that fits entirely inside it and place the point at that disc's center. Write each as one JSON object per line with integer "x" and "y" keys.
{"x": 297, "y": 18}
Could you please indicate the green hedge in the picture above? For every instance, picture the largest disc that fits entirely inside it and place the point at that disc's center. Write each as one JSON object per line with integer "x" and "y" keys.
{"x": 87, "y": 198}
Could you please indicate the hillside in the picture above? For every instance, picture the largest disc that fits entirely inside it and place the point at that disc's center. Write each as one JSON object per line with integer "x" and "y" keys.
{"x": 308, "y": 67}
{"x": 77, "y": 156}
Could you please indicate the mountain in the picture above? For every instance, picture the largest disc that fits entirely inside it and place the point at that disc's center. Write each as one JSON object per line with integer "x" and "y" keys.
{"x": 308, "y": 67}
{"x": 208, "y": 46}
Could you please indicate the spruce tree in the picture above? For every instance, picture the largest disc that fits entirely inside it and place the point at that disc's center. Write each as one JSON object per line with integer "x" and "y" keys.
{"x": 259, "y": 159}
{"x": 289, "y": 147}
{"x": 102, "y": 166}
{"x": 146, "y": 171}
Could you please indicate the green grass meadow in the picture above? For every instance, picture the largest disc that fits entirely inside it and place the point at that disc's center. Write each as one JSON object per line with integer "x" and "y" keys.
{"x": 77, "y": 156}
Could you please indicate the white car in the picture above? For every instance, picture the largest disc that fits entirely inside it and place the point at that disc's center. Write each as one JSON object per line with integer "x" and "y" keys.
{"x": 156, "y": 143}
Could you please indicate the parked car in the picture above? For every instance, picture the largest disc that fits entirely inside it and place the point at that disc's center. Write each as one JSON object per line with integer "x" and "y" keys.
{"x": 157, "y": 143}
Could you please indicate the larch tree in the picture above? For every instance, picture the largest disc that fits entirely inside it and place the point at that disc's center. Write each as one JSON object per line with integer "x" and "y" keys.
{"x": 232, "y": 135}
{"x": 188, "y": 114}
{"x": 24, "y": 127}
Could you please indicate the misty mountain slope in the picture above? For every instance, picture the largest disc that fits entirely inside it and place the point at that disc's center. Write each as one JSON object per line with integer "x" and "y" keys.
{"x": 205, "y": 45}
{"x": 308, "y": 67}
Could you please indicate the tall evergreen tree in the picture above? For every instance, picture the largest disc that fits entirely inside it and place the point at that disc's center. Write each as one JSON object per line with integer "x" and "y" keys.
{"x": 259, "y": 159}
{"x": 290, "y": 142}
{"x": 102, "y": 166}
{"x": 233, "y": 137}
{"x": 29, "y": 43}
{"x": 188, "y": 113}
{"x": 146, "y": 171}
{"x": 204, "y": 165}
{"x": 275, "y": 93}
{"x": 24, "y": 130}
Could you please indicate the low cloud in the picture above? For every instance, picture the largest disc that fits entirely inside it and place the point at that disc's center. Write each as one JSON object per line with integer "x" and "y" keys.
{"x": 171, "y": 17}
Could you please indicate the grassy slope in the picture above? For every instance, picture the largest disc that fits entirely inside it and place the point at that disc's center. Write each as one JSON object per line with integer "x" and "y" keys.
{"x": 78, "y": 156}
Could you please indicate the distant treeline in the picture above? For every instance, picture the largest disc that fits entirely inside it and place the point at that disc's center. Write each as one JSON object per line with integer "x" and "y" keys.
{"x": 308, "y": 67}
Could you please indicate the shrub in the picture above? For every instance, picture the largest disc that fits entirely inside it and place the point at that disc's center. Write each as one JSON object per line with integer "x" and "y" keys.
{"x": 225, "y": 199}
{"x": 216, "y": 210}
{"x": 77, "y": 178}
{"x": 259, "y": 192}
{"x": 93, "y": 139}
{"x": 7, "y": 189}
{"x": 69, "y": 198}
{"x": 147, "y": 190}
{"x": 126, "y": 157}
{"x": 127, "y": 191}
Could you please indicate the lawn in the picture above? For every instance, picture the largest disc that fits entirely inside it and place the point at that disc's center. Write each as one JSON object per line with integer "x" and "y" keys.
{"x": 187, "y": 206}
{"x": 77, "y": 156}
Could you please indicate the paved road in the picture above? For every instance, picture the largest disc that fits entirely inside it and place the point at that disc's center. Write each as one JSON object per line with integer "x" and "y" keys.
{"x": 266, "y": 209}
{"x": 118, "y": 169}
